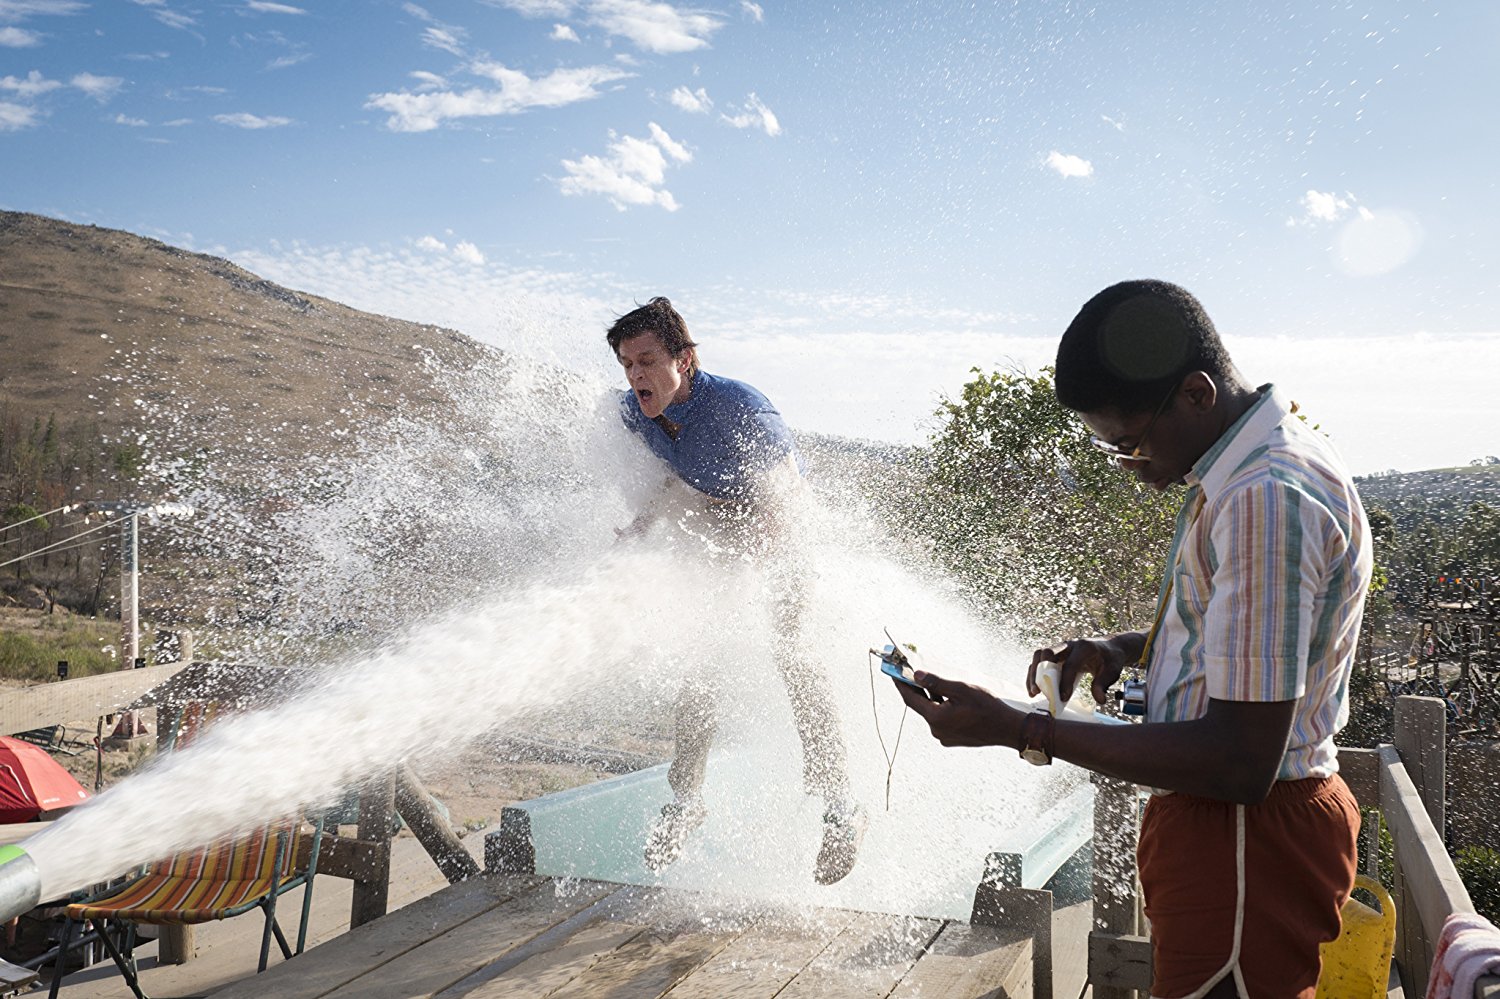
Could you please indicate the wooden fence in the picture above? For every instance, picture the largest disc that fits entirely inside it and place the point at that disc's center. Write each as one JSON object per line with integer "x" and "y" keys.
{"x": 1404, "y": 784}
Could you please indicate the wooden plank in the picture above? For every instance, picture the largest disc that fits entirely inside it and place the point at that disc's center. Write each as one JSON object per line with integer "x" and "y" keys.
{"x": 364, "y": 950}
{"x": 445, "y": 959}
{"x": 1119, "y": 961}
{"x": 548, "y": 963}
{"x": 1360, "y": 769}
{"x": 25, "y": 708}
{"x": 672, "y": 944}
{"x": 1426, "y": 875}
{"x": 1116, "y": 830}
{"x": 377, "y": 808}
{"x": 421, "y": 813}
{"x": 343, "y": 857}
{"x": 1421, "y": 741}
{"x": 762, "y": 961}
{"x": 967, "y": 961}
{"x": 867, "y": 959}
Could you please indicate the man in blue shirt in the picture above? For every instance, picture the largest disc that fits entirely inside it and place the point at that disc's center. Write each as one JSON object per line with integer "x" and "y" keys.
{"x": 726, "y": 441}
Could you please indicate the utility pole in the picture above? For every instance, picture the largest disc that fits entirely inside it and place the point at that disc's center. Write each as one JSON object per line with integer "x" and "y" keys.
{"x": 130, "y": 587}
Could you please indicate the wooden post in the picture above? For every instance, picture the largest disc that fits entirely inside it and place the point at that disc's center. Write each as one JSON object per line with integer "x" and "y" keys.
{"x": 377, "y": 805}
{"x": 432, "y": 830}
{"x": 1421, "y": 741}
{"x": 1116, "y": 829}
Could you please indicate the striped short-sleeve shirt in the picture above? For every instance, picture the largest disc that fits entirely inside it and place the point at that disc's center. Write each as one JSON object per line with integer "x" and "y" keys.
{"x": 1270, "y": 565}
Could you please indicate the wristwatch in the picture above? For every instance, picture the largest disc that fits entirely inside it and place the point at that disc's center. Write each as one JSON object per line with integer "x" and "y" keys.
{"x": 1036, "y": 737}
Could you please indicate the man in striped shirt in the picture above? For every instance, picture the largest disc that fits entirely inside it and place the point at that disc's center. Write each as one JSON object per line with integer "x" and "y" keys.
{"x": 1248, "y": 843}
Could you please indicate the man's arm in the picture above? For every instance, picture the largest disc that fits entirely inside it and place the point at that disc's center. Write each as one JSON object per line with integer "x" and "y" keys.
{"x": 1233, "y": 753}
{"x": 1102, "y": 658}
{"x": 649, "y": 513}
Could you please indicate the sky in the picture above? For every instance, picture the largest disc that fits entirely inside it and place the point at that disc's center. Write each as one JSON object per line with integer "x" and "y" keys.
{"x": 852, "y": 204}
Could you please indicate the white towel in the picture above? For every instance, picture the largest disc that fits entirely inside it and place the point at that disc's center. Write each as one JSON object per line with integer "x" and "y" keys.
{"x": 1468, "y": 948}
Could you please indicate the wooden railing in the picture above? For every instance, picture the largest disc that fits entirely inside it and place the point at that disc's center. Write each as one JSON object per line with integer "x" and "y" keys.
{"x": 1402, "y": 784}
{"x": 26, "y": 708}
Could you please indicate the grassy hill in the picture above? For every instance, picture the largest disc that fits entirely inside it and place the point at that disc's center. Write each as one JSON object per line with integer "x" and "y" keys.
{"x": 131, "y": 369}
{"x": 101, "y": 324}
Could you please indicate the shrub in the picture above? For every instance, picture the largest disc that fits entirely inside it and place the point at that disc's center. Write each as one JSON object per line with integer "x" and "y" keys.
{"x": 1479, "y": 866}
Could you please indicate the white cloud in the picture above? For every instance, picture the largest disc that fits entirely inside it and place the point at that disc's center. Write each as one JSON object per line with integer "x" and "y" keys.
{"x": 427, "y": 81}
{"x": 695, "y": 101}
{"x": 18, "y": 10}
{"x": 536, "y": 8}
{"x": 422, "y": 112}
{"x": 243, "y": 119}
{"x": 631, "y": 173}
{"x": 177, "y": 122}
{"x": 100, "y": 88}
{"x": 755, "y": 11}
{"x": 468, "y": 253}
{"x": 1118, "y": 126}
{"x": 421, "y": 13}
{"x": 755, "y": 115}
{"x": 432, "y": 243}
{"x": 166, "y": 15}
{"x": 1069, "y": 166}
{"x": 563, "y": 33}
{"x": 266, "y": 7}
{"x": 19, "y": 38}
{"x": 15, "y": 116}
{"x": 282, "y": 62}
{"x": 445, "y": 37}
{"x": 655, "y": 27}
{"x": 121, "y": 119}
{"x": 1318, "y": 206}
{"x": 32, "y": 85}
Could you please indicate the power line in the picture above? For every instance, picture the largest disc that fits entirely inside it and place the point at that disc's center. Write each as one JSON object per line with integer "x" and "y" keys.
{"x": 56, "y": 544}
{"x": 62, "y": 509}
{"x": 58, "y": 551}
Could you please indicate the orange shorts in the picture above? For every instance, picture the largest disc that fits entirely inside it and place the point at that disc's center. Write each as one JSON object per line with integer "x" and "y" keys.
{"x": 1294, "y": 855}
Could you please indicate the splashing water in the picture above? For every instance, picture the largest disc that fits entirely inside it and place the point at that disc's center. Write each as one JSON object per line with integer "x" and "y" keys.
{"x": 524, "y": 500}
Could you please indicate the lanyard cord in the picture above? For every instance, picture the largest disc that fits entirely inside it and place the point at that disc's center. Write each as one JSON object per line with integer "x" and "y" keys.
{"x": 890, "y": 758}
{"x": 1144, "y": 661}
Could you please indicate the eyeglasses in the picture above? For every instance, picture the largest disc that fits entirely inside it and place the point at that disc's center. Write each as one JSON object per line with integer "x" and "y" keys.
{"x": 1134, "y": 454}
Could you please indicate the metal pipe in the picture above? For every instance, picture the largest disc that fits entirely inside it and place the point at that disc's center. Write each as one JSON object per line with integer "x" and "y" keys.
{"x": 20, "y": 882}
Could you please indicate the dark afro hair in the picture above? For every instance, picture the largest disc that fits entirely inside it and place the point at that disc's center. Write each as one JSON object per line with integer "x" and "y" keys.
{"x": 1132, "y": 343}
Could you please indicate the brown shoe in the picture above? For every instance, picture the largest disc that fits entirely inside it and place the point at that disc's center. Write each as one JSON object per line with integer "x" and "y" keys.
{"x": 843, "y": 828}
{"x": 678, "y": 818}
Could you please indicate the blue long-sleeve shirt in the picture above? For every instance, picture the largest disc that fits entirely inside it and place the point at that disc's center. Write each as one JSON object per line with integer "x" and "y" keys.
{"x": 729, "y": 435}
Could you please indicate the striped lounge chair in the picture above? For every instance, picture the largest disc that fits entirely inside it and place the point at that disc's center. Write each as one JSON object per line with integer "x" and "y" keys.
{"x": 218, "y": 881}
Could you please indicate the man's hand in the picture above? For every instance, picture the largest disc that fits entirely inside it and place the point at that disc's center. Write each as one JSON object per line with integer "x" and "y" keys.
{"x": 1103, "y": 658}
{"x": 961, "y": 714}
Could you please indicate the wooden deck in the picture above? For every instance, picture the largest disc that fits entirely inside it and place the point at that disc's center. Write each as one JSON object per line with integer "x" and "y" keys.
{"x": 524, "y": 935}
{"x": 516, "y": 935}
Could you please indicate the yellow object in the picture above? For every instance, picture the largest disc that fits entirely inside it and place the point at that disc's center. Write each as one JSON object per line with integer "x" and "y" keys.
{"x": 1358, "y": 964}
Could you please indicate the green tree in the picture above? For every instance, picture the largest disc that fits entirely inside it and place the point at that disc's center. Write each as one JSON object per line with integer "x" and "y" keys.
{"x": 1039, "y": 523}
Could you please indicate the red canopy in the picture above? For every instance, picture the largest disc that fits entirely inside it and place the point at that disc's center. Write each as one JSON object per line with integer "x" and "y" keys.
{"x": 32, "y": 782}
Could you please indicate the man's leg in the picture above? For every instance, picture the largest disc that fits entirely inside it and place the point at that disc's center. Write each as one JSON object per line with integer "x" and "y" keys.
{"x": 693, "y": 729}
{"x": 1246, "y": 894}
{"x": 825, "y": 759}
{"x": 695, "y": 721}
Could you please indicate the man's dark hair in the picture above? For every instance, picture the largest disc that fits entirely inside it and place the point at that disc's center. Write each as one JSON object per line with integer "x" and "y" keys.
{"x": 1132, "y": 344}
{"x": 656, "y": 316}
